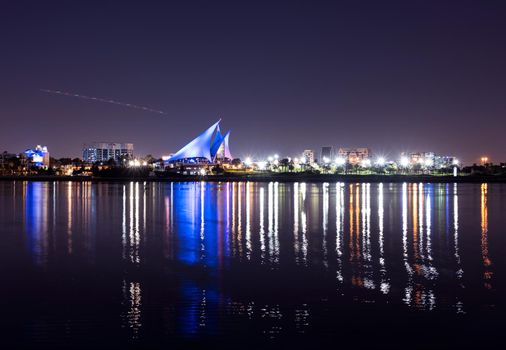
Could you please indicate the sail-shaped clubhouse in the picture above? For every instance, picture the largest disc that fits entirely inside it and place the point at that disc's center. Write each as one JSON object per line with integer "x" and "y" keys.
{"x": 209, "y": 147}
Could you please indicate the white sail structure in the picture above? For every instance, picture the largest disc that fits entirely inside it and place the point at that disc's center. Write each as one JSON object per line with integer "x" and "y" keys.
{"x": 226, "y": 152}
{"x": 199, "y": 147}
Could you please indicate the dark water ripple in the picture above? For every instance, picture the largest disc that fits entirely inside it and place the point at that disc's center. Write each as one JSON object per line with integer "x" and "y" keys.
{"x": 155, "y": 265}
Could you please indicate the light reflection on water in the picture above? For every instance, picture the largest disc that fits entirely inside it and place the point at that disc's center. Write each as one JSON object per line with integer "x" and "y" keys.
{"x": 408, "y": 245}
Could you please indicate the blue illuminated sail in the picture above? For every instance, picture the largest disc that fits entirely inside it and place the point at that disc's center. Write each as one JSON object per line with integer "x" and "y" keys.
{"x": 218, "y": 140}
{"x": 200, "y": 147}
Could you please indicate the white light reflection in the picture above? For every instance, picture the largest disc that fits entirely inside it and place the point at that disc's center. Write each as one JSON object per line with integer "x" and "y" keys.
{"x": 339, "y": 229}
{"x": 366, "y": 236}
{"x": 132, "y": 297}
{"x": 69, "y": 216}
{"x": 325, "y": 221}
{"x": 276, "y": 221}
{"x": 239, "y": 218}
{"x": 262, "y": 228}
{"x": 303, "y": 220}
{"x": 270, "y": 218}
{"x": 385, "y": 285}
{"x": 248, "y": 220}
{"x": 296, "y": 245}
{"x": 409, "y": 287}
{"x": 459, "y": 305}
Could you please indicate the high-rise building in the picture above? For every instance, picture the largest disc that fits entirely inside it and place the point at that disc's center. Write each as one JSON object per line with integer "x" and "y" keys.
{"x": 327, "y": 154}
{"x": 354, "y": 155}
{"x": 308, "y": 156}
{"x": 103, "y": 151}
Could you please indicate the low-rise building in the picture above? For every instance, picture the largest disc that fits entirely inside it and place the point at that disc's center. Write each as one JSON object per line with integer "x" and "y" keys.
{"x": 38, "y": 156}
{"x": 354, "y": 156}
{"x": 430, "y": 160}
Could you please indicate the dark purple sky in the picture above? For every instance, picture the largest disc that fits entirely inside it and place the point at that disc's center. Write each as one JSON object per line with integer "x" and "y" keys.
{"x": 284, "y": 76}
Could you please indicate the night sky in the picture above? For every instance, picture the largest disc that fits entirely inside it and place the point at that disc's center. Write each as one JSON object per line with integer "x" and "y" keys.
{"x": 284, "y": 76}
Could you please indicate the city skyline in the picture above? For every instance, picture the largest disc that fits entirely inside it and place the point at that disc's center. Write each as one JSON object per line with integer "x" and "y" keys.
{"x": 286, "y": 76}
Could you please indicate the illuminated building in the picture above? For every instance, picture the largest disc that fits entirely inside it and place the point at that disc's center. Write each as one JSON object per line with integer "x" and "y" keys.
{"x": 39, "y": 156}
{"x": 103, "y": 151}
{"x": 308, "y": 156}
{"x": 354, "y": 156}
{"x": 444, "y": 161}
{"x": 327, "y": 154}
{"x": 429, "y": 160}
{"x": 208, "y": 147}
{"x": 415, "y": 157}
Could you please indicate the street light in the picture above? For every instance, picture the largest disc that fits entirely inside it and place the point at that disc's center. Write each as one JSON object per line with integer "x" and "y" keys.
{"x": 380, "y": 161}
{"x": 261, "y": 165}
{"x": 365, "y": 163}
{"x": 340, "y": 161}
{"x": 404, "y": 162}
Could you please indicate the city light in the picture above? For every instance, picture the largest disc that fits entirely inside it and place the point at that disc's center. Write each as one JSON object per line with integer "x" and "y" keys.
{"x": 340, "y": 161}
{"x": 248, "y": 161}
{"x": 380, "y": 161}
{"x": 404, "y": 162}
{"x": 455, "y": 161}
{"x": 484, "y": 160}
{"x": 365, "y": 163}
{"x": 261, "y": 165}
{"x": 270, "y": 159}
{"x": 326, "y": 160}
{"x": 429, "y": 162}
{"x": 202, "y": 171}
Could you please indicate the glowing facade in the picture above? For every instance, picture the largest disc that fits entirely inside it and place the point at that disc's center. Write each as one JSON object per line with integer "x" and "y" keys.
{"x": 354, "y": 155}
{"x": 207, "y": 147}
{"x": 103, "y": 151}
{"x": 39, "y": 156}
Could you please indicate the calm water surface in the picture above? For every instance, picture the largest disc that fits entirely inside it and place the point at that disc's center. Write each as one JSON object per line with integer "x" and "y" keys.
{"x": 159, "y": 265}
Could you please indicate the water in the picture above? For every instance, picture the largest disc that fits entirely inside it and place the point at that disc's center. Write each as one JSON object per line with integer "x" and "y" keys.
{"x": 160, "y": 265}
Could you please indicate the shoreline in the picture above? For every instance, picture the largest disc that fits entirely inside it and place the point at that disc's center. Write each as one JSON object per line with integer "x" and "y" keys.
{"x": 319, "y": 178}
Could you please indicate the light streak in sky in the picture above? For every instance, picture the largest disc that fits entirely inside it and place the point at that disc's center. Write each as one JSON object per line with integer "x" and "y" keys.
{"x": 104, "y": 100}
